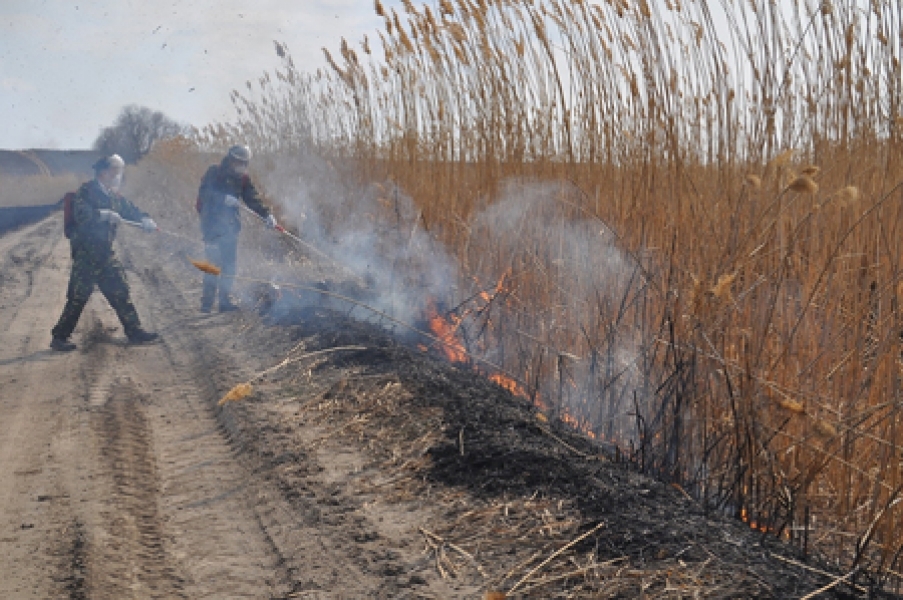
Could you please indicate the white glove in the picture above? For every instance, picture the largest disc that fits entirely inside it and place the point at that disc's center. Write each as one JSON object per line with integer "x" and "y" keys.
{"x": 148, "y": 224}
{"x": 231, "y": 201}
{"x": 110, "y": 216}
{"x": 271, "y": 222}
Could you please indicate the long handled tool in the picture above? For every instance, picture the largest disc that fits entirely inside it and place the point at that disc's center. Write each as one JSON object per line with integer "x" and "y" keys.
{"x": 163, "y": 231}
{"x": 134, "y": 223}
{"x": 297, "y": 239}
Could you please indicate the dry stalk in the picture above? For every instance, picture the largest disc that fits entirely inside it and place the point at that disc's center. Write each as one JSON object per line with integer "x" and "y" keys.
{"x": 831, "y": 585}
{"x": 806, "y": 567}
{"x": 554, "y": 555}
{"x": 578, "y": 572}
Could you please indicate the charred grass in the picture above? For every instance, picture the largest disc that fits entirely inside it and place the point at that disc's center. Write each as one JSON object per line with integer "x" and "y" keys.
{"x": 517, "y": 504}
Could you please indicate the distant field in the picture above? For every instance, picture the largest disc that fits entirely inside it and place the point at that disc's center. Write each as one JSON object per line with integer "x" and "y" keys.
{"x": 38, "y": 177}
{"x": 35, "y": 190}
{"x": 24, "y": 163}
{"x": 14, "y": 218}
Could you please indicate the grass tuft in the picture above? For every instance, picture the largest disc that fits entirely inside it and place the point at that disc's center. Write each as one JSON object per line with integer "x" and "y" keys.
{"x": 239, "y": 392}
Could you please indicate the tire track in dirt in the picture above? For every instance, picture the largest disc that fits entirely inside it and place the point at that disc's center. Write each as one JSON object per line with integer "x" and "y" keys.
{"x": 130, "y": 560}
{"x": 115, "y": 540}
{"x": 75, "y": 565}
{"x": 24, "y": 255}
{"x": 196, "y": 449}
{"x": 210, "y": 502}
{"x": 328, "y": 542}
{"x": 312, "y": 562}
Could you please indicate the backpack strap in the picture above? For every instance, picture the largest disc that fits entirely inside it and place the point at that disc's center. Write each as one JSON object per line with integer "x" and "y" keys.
{"x": 68, "y": 214}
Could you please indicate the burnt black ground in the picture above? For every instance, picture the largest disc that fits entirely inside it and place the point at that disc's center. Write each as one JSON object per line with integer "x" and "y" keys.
{"x": 510, "y": 453}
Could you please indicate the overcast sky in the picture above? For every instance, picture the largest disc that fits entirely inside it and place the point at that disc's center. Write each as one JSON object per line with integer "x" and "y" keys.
{"x": 68, "y": 66}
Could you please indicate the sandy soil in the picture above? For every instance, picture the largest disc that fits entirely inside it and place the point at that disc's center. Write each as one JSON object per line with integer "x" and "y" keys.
{"x": 364, "y": 469}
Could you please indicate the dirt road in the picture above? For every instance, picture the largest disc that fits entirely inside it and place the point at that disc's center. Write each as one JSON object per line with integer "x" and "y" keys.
{"x": 115, "y": 479}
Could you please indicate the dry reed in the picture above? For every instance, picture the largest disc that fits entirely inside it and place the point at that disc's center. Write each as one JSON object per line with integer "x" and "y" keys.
{"x": 713, "y": 286}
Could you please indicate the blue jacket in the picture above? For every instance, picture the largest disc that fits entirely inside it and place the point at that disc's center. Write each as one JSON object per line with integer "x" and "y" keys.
{"x": 217, "y": 219}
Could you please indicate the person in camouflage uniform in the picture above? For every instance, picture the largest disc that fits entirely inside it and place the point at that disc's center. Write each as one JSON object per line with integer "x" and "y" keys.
{"x": 222, "y": 188}
{"x": 97, "y": 210}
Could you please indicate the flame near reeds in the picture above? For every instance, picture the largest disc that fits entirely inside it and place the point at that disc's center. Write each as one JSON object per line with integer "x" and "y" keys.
{"x": 446, "y": 328}
{"x": 206, "y": 266}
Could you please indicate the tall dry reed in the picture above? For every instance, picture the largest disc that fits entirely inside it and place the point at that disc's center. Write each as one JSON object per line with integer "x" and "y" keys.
{"x": 701, "y": 255}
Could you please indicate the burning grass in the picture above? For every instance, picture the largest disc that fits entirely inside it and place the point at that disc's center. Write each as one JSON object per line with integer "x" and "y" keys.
{"x": 684, "y": 281}
{"x": 508, "y": 507}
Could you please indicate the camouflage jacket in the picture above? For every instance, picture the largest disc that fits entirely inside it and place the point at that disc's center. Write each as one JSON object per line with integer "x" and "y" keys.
{"x": 90, "y": 232}
{"x": 217, "y": 219}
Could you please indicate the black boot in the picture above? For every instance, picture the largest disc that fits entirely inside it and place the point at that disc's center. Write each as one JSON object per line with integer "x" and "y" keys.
{"x": 140, "y": 336}
{"x": 62, "y": 345}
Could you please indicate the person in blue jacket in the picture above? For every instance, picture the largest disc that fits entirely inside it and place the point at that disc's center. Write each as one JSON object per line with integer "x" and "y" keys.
{"x": 223, "y": 187}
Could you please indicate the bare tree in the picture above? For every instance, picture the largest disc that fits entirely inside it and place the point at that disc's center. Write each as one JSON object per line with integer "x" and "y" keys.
{"x": 135, "y": 131}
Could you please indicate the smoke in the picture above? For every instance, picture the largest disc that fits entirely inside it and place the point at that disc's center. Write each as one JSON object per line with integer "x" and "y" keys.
{"x": 372, "y": 236}
{"x": 575, "y": 290}
{"x": 571, "y": 292}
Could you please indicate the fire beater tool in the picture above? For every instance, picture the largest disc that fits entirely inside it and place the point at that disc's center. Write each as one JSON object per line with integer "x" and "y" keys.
{"x": 297, "y": 239}
{"x": 135, "y": 224}
{"x": 138, "y": 225}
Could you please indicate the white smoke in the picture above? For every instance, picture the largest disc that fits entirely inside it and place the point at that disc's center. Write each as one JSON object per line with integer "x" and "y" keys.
{"x": 587, "y": 284}
{"x": 372, "y": 235}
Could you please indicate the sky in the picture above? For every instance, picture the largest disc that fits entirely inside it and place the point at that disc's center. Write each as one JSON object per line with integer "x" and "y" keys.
{"x": 67, "y": 67}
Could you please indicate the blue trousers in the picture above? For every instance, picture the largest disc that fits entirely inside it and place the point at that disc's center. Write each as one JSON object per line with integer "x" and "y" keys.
{"x": 222, "y": 252}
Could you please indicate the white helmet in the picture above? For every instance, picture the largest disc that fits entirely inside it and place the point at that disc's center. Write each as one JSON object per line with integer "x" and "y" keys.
{"x": 109, "y": 162}
{"x": 240, "y": 153}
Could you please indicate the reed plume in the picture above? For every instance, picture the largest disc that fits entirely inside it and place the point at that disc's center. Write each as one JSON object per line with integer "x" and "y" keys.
{"x": 239, "y": 392}
{"x": 206, "y": 266}
{"x": 803, "y": 185}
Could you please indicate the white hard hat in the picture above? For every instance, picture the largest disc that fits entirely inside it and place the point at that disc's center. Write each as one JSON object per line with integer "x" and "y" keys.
{"x": 109, "y": 162}
{"x": 242, "y": 153}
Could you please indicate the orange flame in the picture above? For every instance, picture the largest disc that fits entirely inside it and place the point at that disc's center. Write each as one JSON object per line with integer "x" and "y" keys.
{"x": 446, "y": 330}
{"x": 509, "y": 384}
{"x": 574, "y": 422}
{"x": 760, "y": 527}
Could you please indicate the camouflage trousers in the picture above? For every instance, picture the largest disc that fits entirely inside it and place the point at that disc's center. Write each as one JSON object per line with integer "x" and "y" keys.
{"x": 222, "y": 252}
{"x": 103, "y": 270}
